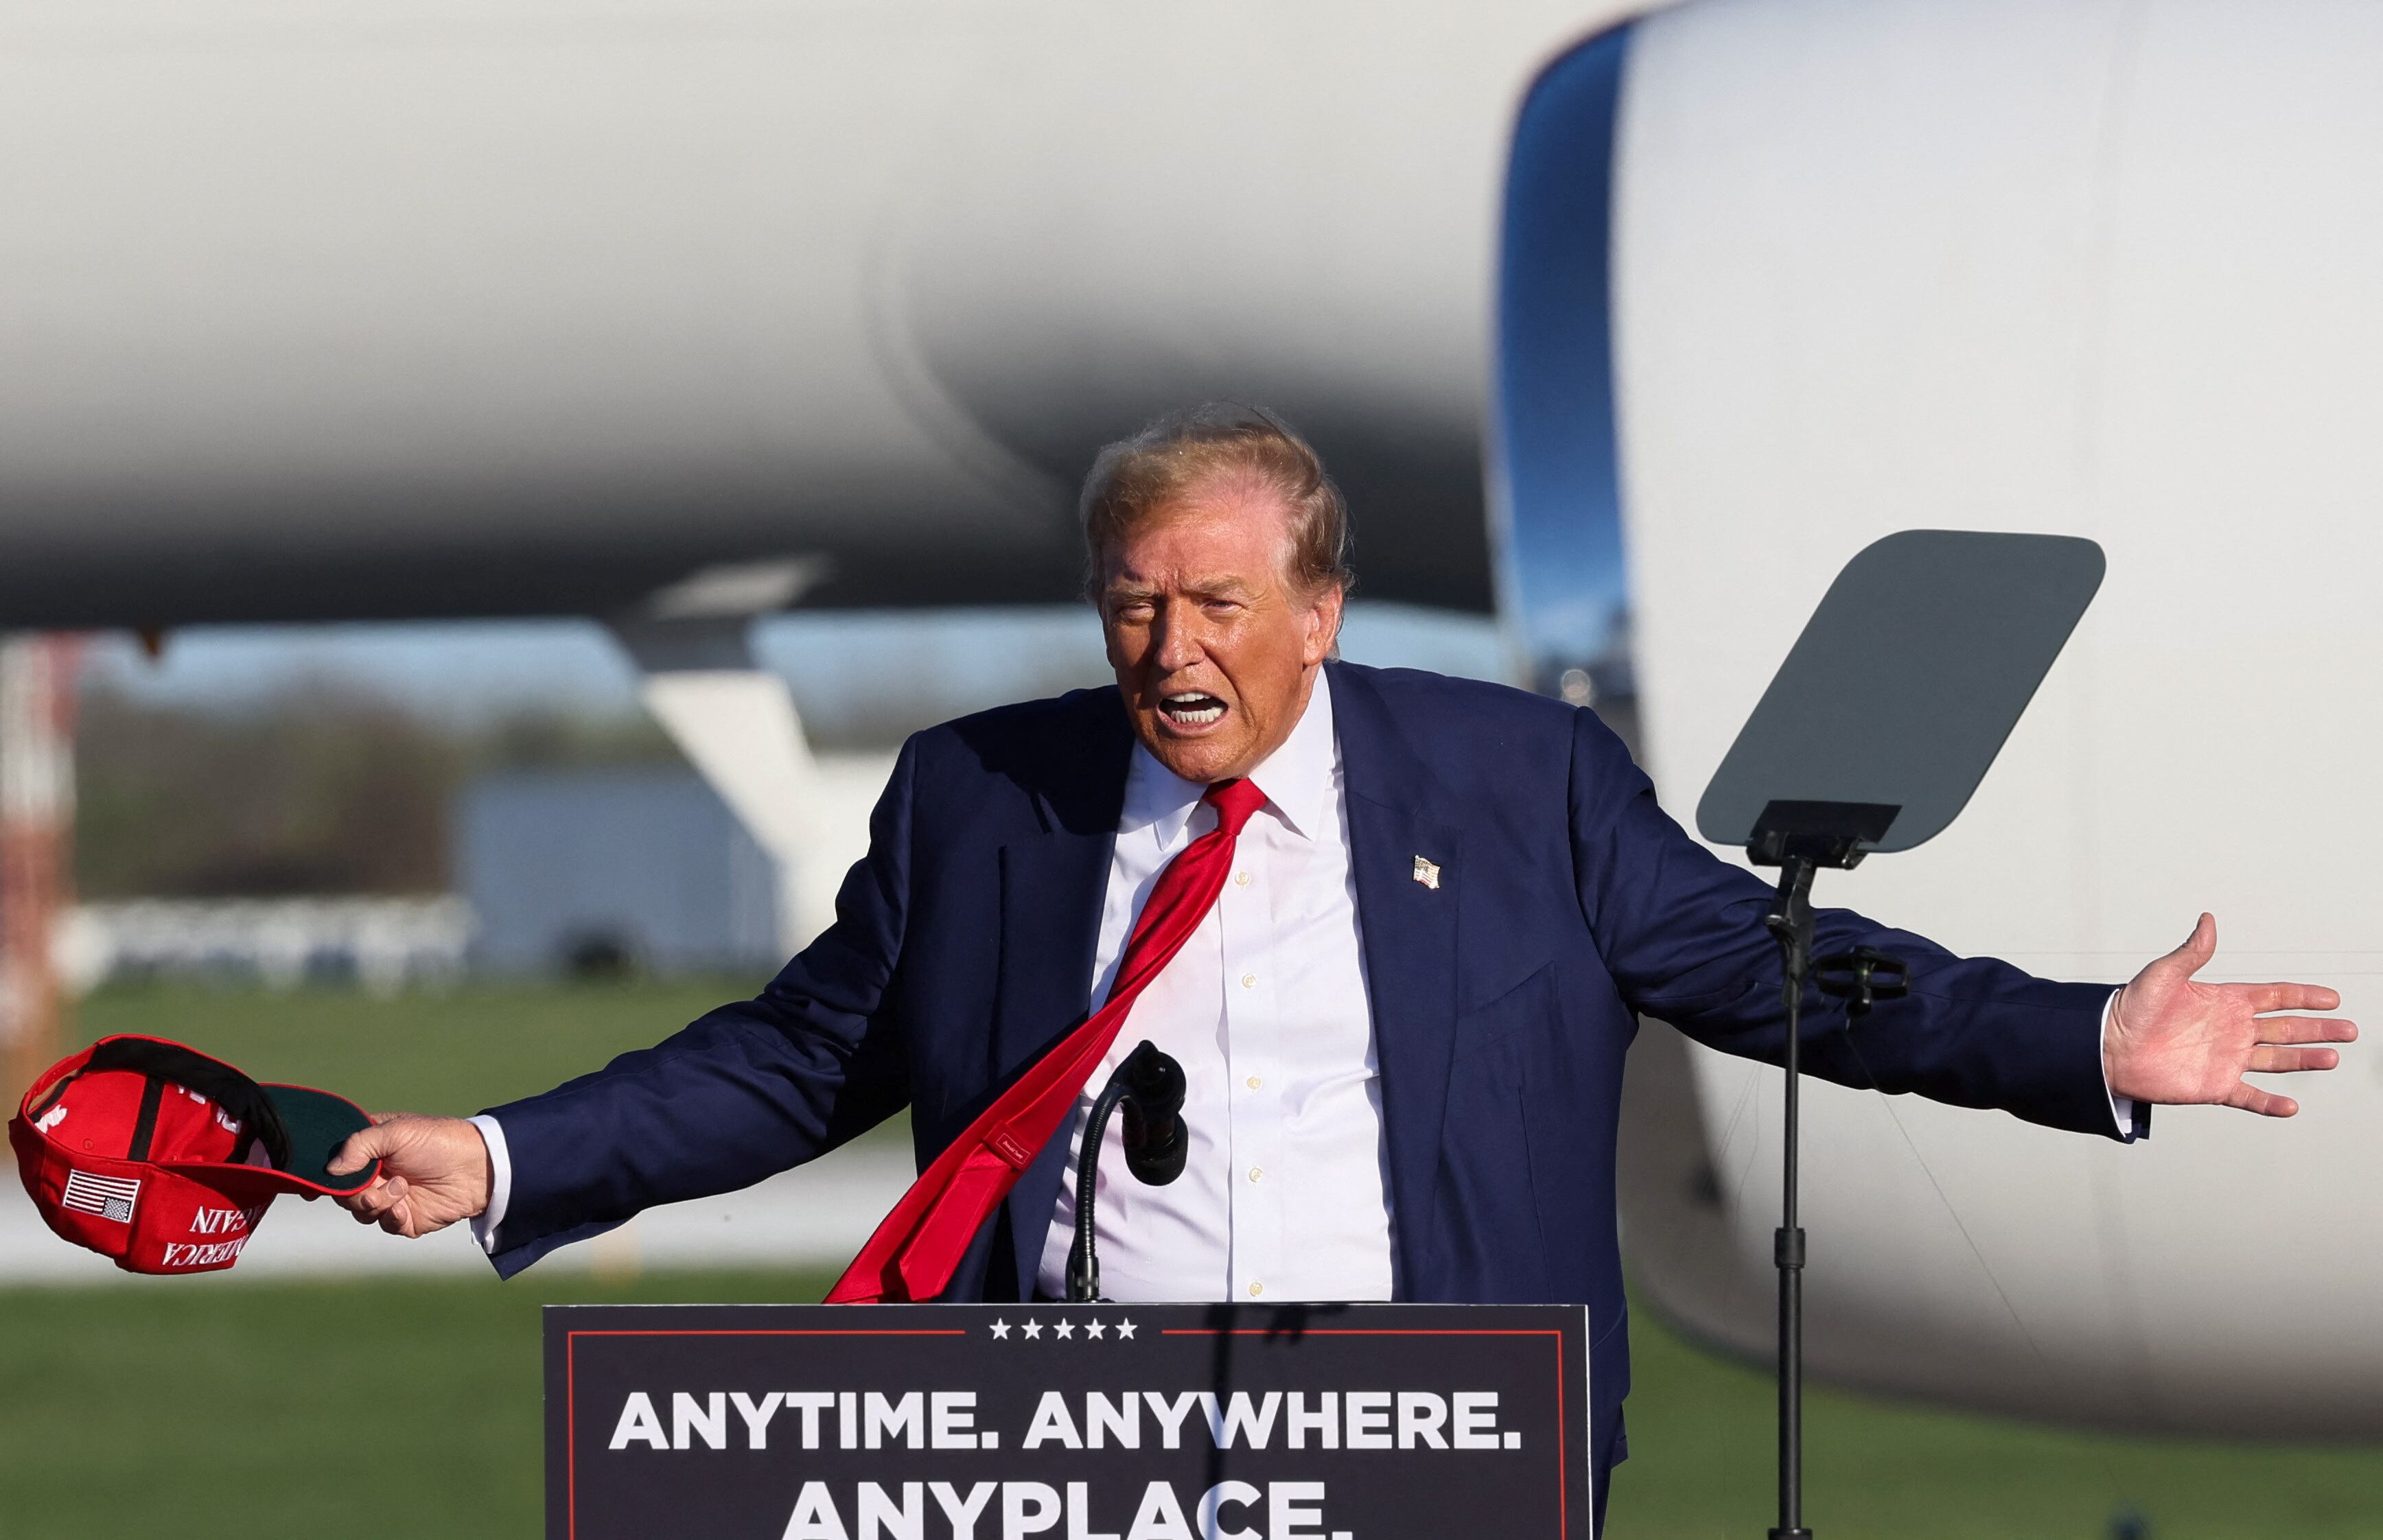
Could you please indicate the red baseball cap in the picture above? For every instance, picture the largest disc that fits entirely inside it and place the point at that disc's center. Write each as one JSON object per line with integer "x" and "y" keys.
{"x": 165, "y": 1159}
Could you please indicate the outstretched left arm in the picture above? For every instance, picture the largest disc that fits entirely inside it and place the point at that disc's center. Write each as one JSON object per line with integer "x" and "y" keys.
{"x": 1682, "y": 933}
{"x": 2174, "y": 1039}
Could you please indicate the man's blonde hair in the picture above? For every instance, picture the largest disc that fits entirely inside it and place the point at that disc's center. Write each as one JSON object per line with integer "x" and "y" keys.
{"x": 1136, "y": 478}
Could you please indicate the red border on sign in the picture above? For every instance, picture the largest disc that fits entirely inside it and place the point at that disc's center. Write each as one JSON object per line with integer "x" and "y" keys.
{"x": 1563, "y": 1417}
{"x": 571, "y": 1393}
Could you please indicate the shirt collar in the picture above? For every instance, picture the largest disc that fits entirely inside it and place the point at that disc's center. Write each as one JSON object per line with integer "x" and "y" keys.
{"x": 1298, "y": 778}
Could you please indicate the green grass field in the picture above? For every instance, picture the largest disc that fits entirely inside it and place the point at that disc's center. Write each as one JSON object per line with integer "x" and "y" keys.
{"x": 451, "y": 1053}
{"x": 411, "y": 1408}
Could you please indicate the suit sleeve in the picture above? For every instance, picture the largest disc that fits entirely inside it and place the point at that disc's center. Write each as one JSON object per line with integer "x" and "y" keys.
{"x": 746, "y": 1092}
{"x": 1681, "y": 931}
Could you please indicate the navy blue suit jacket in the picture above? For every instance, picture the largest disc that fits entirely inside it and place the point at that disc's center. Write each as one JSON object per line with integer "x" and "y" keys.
{"x": 1569, "y": 905}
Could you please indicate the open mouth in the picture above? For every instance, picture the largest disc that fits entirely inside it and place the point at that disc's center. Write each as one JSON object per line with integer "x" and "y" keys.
{"x": 1191, "y": 709}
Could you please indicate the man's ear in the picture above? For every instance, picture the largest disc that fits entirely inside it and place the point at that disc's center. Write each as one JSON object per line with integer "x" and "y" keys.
{"x": 1324, "y": 620}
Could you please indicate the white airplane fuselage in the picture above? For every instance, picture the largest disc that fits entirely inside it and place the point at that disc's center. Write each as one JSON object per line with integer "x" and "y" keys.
{"x": 411, "y": 309}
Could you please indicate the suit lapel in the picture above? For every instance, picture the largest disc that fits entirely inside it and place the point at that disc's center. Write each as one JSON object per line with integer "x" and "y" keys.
{"x": 1053, "y": 884}
{"x": 1397, "y": 813}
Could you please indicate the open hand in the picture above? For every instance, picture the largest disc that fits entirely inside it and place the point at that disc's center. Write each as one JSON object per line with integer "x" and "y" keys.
{"x": 2173, "y": 1040}
{"x": 434, "y": 1171}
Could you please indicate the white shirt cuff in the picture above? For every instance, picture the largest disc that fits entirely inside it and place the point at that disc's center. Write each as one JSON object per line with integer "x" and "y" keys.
{"x": 501, "y": 1183}
{"x": 2126, "y": 1112}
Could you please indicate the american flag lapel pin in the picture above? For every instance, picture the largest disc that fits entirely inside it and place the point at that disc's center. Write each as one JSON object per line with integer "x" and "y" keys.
{"x": 1427, "y": 873}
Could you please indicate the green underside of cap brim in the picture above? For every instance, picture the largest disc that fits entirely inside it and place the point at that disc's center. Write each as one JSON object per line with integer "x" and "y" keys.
{"x": 318, "y": 1122}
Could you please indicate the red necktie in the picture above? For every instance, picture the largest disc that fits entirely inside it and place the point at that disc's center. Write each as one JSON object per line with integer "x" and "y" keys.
{"x": 918, "y": 1246}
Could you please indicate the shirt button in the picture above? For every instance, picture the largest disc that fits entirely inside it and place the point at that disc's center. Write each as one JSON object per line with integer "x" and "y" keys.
{"x": 1255, "y": 1082}
{"x": 1240, "y": 879}
{"x": 1256, "y": 1171}
{"x": 1256, "y": 1289}
{"x": 1248, "y": 980}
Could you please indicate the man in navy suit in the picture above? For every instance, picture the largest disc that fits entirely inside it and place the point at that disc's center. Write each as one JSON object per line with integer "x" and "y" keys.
{"x": 1404, "y": 1018}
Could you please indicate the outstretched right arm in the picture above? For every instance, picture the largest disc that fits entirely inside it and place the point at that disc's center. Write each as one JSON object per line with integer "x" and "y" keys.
{"x": 743, "y": 1092}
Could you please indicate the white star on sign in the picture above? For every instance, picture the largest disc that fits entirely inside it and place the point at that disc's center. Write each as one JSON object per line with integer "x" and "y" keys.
{"x": 1001, "y": 1330}
{"x": 1094, "y": 1331}
{"x": 1125, "y": 1330}
{"x": 1065, "y": 1328}
{"x": 1033, "y": 1328}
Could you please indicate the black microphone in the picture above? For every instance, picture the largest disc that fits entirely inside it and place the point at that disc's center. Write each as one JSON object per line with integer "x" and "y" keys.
{"x": 1156, "y": 1138}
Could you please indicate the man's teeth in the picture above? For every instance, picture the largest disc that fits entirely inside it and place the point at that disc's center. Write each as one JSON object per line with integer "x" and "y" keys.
{"x": 1192, "y": 711}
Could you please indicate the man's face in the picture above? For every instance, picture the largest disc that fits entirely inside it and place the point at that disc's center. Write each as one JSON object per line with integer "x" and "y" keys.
{"x": 1215, "y": 650}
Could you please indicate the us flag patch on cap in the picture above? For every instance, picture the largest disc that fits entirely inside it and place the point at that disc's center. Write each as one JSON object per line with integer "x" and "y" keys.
{"x": 108, "y": 1197}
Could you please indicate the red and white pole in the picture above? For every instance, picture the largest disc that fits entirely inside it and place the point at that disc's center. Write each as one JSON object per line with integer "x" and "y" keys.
{"x": 37, "y": 811}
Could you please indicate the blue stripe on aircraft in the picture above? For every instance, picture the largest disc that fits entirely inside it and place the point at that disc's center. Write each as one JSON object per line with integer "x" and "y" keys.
{"x": 1556, "y": 465}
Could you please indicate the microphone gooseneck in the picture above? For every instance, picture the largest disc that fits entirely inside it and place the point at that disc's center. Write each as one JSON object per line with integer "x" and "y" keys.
{"x": 1151, "y": 1086}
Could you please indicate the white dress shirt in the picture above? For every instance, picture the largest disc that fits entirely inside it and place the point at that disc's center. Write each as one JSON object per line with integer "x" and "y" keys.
{"x": 1284, "y": 1195}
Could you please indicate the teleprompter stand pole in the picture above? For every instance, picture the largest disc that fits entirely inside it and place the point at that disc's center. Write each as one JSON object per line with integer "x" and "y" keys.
{"x": 1799, "y": 838}
{"x": 1790, "y": 921}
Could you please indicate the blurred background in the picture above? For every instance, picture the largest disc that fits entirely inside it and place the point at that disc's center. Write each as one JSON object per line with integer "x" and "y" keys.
{"x": 485, "y": 490}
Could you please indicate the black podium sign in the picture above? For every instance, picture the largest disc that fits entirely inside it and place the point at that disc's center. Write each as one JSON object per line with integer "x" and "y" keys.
{"x": 1074, "y": 1422}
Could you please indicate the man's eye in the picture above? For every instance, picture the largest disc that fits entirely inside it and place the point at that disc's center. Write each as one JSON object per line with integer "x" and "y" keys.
{"x": 1136, "y": 609}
